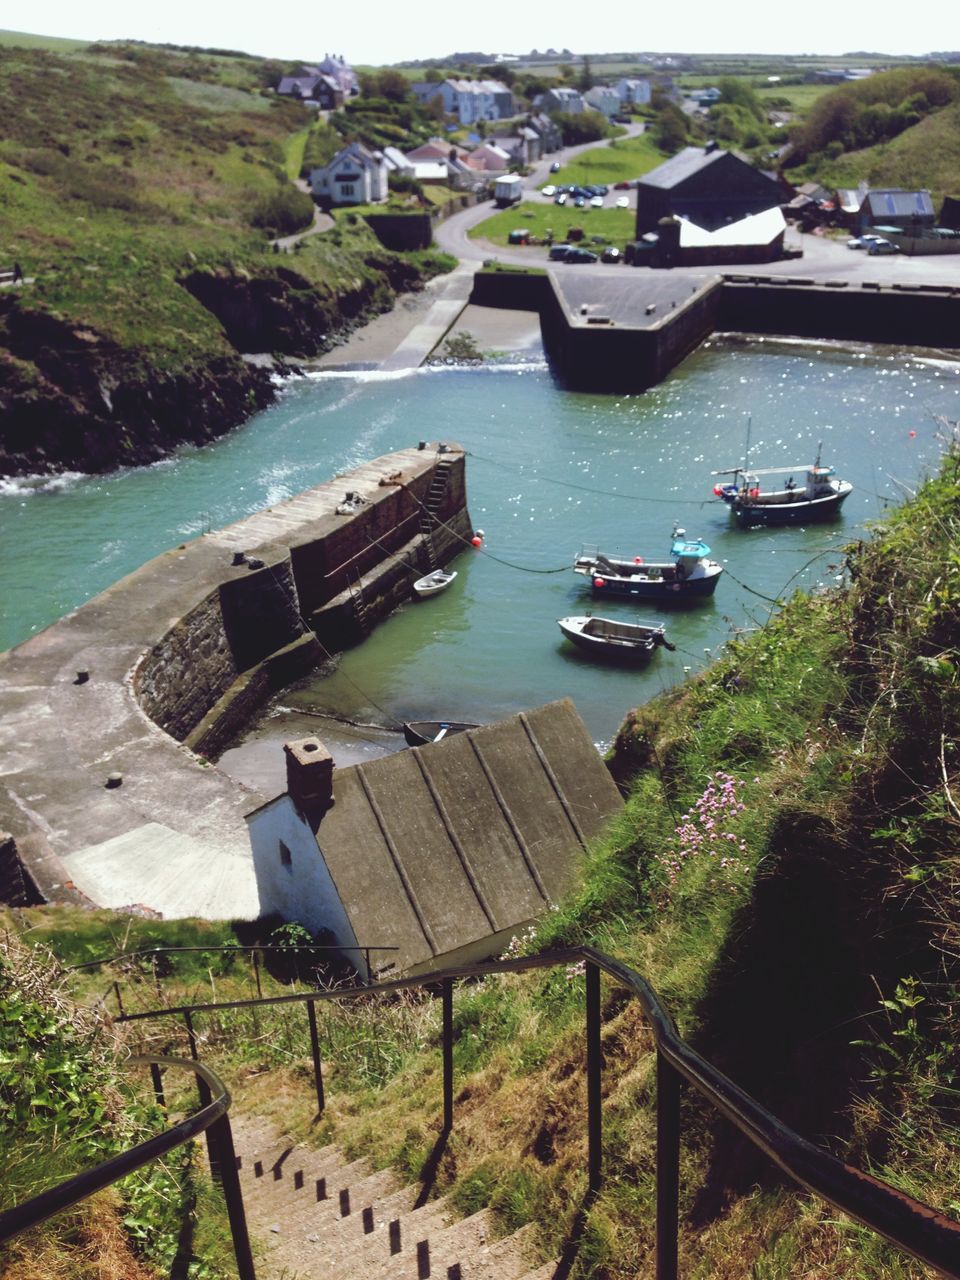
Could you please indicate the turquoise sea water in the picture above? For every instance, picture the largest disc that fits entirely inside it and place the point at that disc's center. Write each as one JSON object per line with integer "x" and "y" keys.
{"x": 548, "y": 471}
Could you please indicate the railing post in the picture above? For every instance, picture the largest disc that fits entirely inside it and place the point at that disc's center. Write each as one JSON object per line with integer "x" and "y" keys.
{"x": 116, "y": 992}
{"x": 256, "y": 973}
{"x": 668, "y": 1168}
{"x": 594, "y": 1068}
{"x": 315, "y": 1050}
{"x": 447, "y": 997}
{"x": 222, "y": 1139}
{"x": 157, "y": 1079}
{"x": 203, "y": 1090}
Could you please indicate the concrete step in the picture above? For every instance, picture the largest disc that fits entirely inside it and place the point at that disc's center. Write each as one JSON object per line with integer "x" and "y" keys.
{"x": 365, "y": 1226}
{"x": 344, "y": 1254}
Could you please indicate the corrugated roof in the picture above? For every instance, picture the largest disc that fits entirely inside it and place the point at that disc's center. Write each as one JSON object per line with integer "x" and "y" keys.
{"x": 899, "y": 204}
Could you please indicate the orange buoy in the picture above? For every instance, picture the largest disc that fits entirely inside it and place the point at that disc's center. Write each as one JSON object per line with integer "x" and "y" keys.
{"x": 599, "y": 582}
{"x": 476, "y": 542}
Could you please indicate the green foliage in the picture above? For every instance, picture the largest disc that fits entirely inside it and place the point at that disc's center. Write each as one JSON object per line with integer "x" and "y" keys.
{"x": 583, "y": 126}
{"x": 671, "y": 128}
{"x": 283, "y": 212}
{"x": 873, "y": 110}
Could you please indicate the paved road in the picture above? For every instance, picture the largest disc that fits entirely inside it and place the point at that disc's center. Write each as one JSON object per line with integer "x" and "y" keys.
{"x": 823, "y": 258}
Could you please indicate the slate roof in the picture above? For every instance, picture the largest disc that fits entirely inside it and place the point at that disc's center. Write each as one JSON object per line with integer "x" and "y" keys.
{"x": 682, "y": 166}
{"x": 433, "y": 848}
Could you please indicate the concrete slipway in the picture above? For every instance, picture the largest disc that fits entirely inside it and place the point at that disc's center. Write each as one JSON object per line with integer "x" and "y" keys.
{"x": 172, "y": 835}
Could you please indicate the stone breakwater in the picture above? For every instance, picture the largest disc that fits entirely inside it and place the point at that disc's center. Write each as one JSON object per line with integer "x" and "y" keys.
{"x": 110, "y": 712}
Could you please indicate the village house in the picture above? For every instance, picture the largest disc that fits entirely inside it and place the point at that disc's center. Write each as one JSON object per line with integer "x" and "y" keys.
{"x": 707, "y": 186}
{"x": 337, "y": 67}
{"x": 551, "y": 139}
{"x": 469, "y": 100}
{"x": 562, "y": 99}
{"x": 439, "y": 853}
{"x": 313, "y": 88}
{"x": 908, "y": 211}
{"x": 488, "y": 158}
{"x": 603, "y": 99}
{"x": 633, "y": 91}
{"x": 354, "y": 176}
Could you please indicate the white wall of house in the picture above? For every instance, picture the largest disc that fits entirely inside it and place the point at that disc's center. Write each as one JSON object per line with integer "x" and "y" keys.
{"x": 353, "y": 176}
{"x": 292, "y": 877}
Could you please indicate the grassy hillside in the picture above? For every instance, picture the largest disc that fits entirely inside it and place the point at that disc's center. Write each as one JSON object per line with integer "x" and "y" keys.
{"x": 128, "y": 174}
{"x": 925, "y": 156}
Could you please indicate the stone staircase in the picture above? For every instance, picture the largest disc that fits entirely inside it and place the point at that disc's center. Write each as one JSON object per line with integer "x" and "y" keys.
{"x": 313, "y": 1213}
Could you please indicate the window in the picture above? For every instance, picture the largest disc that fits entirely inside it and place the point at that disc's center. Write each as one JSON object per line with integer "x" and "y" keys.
{"x": 286, "y": 857}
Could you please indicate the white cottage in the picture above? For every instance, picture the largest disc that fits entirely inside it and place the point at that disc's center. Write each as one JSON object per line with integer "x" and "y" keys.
{"x": 439, "y": 853}
{"x": 354, "y": 176}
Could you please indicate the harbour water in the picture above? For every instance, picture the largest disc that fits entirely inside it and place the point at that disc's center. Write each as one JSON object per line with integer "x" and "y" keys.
{"x": 548, "y": 471}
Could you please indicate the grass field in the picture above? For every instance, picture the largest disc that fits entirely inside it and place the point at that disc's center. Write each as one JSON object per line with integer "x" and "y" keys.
{"x": 55, "y": 44}
{"x": 618, "y": 161}
{"x": 615, "y": 226}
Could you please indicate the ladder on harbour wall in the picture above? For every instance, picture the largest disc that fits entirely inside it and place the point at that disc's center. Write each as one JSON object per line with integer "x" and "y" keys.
{"x": 430, "y": 506}
{"x": 359, "y": 605}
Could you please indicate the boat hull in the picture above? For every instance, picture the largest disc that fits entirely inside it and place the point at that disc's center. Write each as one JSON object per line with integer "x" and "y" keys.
{"x": 434, "y": 583}
{"x": 419, "y": 732}
{"x": 799, "y": 512}
{"x": 614, "y": 643}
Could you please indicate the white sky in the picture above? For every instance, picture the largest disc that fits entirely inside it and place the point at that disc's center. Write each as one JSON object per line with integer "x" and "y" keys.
{"x": 385, "y": 31}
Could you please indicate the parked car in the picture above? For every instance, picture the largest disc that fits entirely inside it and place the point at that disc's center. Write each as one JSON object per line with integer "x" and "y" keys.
{"x": 862, "y": 242}
{"x": 555, "y": 167}
{"x": 519, "y": 236}
{"x": 580, "y": 201}
{"x": 580, "y": 255}
{"x": 623, "y": 202}
{"x": 560, "y": 198}
{"x": 621, "y": 186}
{"x": 596, "y": 202}
{"x": 549, "y": 189}
{"x": 611, "y": 254}
{"x": 882, "y": 246}
{"x": 558, "y": 252}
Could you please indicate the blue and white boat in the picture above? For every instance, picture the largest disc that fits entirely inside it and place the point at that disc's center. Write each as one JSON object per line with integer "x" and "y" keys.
{"x": 690, "y": 575}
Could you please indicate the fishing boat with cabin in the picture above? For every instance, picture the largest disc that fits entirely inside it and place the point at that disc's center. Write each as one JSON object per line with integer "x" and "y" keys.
{"x": 819, "y": 498}
{"x": 691, "y": 575}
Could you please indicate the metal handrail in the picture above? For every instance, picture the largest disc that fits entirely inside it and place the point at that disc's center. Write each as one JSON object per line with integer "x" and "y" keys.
{"x": 211, "y": 1118}
{"x": 922, "y": 1231}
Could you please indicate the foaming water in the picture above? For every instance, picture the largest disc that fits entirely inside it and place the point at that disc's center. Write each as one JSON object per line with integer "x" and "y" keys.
{"x": 547, "y": 471}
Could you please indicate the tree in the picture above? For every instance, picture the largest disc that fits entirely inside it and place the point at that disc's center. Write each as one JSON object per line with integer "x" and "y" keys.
{"x": 670, "y": 128}
{"x": 586, "y": 80}
{"x": 433, "y": 75}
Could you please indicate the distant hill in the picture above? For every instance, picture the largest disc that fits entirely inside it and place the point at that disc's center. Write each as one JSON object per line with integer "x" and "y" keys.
{"x": 56, "y": 44}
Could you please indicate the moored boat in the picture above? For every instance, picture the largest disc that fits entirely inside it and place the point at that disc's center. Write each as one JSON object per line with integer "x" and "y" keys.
{"x": 433, "y": 583}
{"x": 419, "y": 732}
{"x": 690, "y": 575}
{"x": 819, "y": 498}
{"x": 611, "y": 638}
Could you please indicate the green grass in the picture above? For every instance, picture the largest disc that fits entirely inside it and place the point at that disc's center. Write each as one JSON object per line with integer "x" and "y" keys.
{"x": 617, "y": 226}
{"x": 54, "y": 44}
{"x": 618, "y": 161}
{"x": 924, "y": 156}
